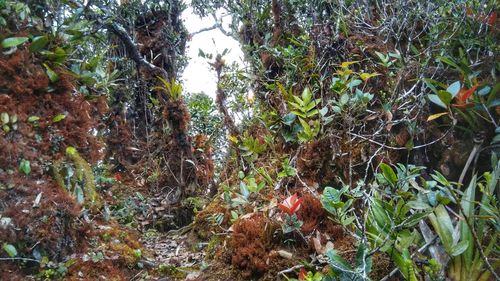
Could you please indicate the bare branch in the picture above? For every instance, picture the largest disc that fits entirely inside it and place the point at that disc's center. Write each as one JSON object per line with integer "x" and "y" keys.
{"x": 203, "y": 30}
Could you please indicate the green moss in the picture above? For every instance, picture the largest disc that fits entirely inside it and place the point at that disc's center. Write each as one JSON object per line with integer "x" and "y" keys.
{"x": 56, "y": 168}
{"x": 212, "y": 245}
{"x": 171, "y": 270}
{"x": 83, "y": 174}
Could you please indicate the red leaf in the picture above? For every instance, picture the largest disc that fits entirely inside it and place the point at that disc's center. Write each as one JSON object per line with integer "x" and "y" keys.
{"x": 463, "y": 96}
{"x": 284, "y": 208}
{"x": 492, "y": 18}
{"x": 302, "y": 274}
{"x": 291, "y": 204}
{"x": 296, "y": 205}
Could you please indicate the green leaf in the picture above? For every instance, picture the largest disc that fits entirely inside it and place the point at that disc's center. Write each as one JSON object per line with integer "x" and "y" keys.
{"x": 38, "y": 43}
{"x": 404, "y": 264}
{"x": 4, "y": 116}
{"x": 383, "y": 58}
{"x": 331, "y": 199}
{"x": 380, "y": 215}
{"x": 25, "y": 167}
{"x": 338, "y": 263}
{"x": 306, "y": 95}
{"x": 32, "y": 119}
{"x": 415, "y": 218}
{"x": 13, "y": 41}
{"x": 445, "y": 97}
{"x": 305, "y": 126}
{"x": 443, "y": 225}
{"x": 53, "y": 77}
{"x": 344, "y": 99}
{"x": 459, "y": 248}
{"x": 449, "y": 62}
{"x": 289, "y": 119}
{"x": 454, "y": 88}
{"x": 6, "y": 128}
{"x": 58, "y": 118}
{"x": 389, "y": 173}
{"x": 354, "y": 83}
{"x": 437, "y": 101}
{"x": 467, "y": 202}
{"x": 363, "y": 262}
{"x": 418, "y": 205}
{"x": 9, "y": 249}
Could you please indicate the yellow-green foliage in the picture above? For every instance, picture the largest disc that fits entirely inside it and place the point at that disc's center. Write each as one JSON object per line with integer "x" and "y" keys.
{"x": 173, "y": 89}
{"x": 56, "y": 167}
{"x": 83, "y": 172}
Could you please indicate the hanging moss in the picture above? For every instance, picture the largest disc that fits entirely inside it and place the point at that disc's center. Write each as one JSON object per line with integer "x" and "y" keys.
{"x": 83, "y": 172}
{"x": 56, "y": 167}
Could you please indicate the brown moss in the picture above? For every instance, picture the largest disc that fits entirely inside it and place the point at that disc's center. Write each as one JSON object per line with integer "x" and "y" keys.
{"x": 250, "y": 242}
{"x": 51, "y": 226}
{"x": 202, "y": 151}
{"x": 89, "y": 270}
{"x": 314, "y": 161}
{"x": 311, "y": 213}
{"x": 383, "y": 265}
{"x": 11, "y": 272}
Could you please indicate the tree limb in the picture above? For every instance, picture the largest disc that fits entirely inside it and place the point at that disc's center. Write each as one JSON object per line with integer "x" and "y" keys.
{"x": 133, "y": 52}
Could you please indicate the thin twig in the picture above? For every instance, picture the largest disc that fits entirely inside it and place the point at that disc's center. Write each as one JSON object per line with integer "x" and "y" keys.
{"x": 21, "y": 259}
{"x": 402, "y": 148}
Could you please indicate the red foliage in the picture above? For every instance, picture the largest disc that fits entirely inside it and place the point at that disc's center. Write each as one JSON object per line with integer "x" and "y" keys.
{"x": 302, "y": 274}
{"x": 463, "y": 96}
{"x": 291, "y": 204}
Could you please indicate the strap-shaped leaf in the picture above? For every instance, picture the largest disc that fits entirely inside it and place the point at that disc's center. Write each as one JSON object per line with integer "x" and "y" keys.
{"x": 13, "y": 41}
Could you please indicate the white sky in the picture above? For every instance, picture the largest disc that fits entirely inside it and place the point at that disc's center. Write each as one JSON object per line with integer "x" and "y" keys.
{"x": 198, "y": 77}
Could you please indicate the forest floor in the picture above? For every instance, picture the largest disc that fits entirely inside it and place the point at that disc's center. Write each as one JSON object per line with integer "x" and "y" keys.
{"x": 175, "y": 254}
